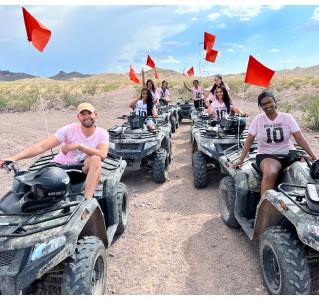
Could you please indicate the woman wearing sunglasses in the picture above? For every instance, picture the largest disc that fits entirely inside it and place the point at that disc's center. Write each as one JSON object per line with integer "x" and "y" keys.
{"x": 272, "y": 130}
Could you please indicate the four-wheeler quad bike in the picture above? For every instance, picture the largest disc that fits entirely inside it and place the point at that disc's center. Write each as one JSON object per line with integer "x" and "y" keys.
{"x": 210, "y": 139}
{"x": 141, "y": 147}
{"x": 185, "y": 109}
{"x": 285, "y": 220}
{"x": 52, "y": 239}
{"x": 172, "y": 112}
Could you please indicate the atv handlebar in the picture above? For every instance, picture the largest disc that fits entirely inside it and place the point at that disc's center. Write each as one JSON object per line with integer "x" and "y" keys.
{"x": 10, "y": 165}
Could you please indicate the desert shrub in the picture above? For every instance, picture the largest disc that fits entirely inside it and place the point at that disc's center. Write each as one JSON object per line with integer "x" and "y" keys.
{"x": 309, "y": 104}
{"x": 70, "y": 98}
{"x": 90, "y": 87}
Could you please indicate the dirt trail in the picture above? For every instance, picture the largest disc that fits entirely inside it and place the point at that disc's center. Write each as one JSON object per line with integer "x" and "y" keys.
{"x": 176, "y": 242}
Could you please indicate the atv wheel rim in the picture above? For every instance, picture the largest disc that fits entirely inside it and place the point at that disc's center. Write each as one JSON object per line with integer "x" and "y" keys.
{"x": 224, "y": 203}
{"x": 98, "y": 277}
{"x": 271, "y": 268}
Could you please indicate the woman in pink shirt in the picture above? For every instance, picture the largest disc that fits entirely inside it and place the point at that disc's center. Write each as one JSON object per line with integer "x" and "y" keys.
{"x": 198, "y": 93}
{"x": 218, "y": 82}
{"x": 273, "y": 131}
{"x": 149, "y": 84}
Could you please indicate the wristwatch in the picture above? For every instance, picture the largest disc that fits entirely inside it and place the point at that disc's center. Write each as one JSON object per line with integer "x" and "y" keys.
{"x": 81, "y": 147}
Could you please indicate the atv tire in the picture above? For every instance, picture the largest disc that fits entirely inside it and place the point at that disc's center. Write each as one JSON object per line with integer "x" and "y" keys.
{"x": 85, "y": 269}
{"x": 160, "y": 164}
{"x": 170, "y": 151}
{"x": 123, "y": 205}
{"x": 226, "y": 201}
{"x": 180, "y": 119}
{"x": 200, "y": 170}
{"x": 173, "y": 124}
{"x": 284, "y": 266}
{"x": 177, "y": 123}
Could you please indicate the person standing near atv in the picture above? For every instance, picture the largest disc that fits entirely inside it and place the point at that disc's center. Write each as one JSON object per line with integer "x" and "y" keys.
{"x": 198, "y": 93}
{"x": 218, "y": 83}
{"x": 144, "y": 106}
{"x": 222, "y": 105}
{"x": 149, "y": 84}
{"x": 82, "y": 142}
{"x": 164, "y": 93}
{"x": 273, "y": 131}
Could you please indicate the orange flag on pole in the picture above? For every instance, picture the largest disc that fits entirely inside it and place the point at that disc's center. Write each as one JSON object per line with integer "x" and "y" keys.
{"x": 257, "y": 73}
{"x": 37, "y": 33}
{"x": 211, "y": 55}
{"x": 190, "y": 72}
{"x": 133, "y": 76}
{"x": 156, "y": 74}
{"x": 209, "y": 40}
{"x": 150, "y": 62}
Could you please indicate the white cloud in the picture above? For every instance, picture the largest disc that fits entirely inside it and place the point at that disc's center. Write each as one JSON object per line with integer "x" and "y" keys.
{"x": 315, "y": 15}
{"x": 230, "y": 50}
{"x": 187, "y": 9}
{"x": 194, "y": 19}
{"x": 244, "y": 13}
{"x": 221, "y": 26}
{"x": 273, "y": 50}
{"x": 213, "y": 16}
{"x": 170, "y": 59}
{"x": 258, "y": 54}
{"x": 276, "y": 7}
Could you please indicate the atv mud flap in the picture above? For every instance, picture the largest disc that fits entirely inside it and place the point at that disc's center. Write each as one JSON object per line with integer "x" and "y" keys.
{"x": 275, "y": 206}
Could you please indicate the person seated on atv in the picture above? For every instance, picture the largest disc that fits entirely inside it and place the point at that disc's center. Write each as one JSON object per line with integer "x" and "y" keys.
{"x": 144, "y": 106}
{"x": 273, "y": 131}
{"x": 212, "y": 89}
{"x": 82, "y": 142}
{"x": 222, "y": 105}
{"x": 198, "y": 93}
{"x": 164, "y": 93}
{"x": 149, "y": 84}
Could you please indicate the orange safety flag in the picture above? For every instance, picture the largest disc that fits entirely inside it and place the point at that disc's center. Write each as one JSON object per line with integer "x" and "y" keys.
{"x": 257, "y": 73}
{"x": 211, "y": 55}
{"x": 133, "y": 76}
{"x": 190, "y": 72}
{"x": 150, "y": 62}
{"x": 209, "y": 40}
{"x": 37, "y": 33}
{"x": 156, "y": 74}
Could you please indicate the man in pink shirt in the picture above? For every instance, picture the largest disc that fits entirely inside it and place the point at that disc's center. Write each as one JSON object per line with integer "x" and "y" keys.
{"x": 273, "y": 131}
{"x": 82, "y": 142}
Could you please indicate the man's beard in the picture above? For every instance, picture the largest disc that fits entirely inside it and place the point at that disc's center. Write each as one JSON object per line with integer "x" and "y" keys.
{"x": 91, "y": 124}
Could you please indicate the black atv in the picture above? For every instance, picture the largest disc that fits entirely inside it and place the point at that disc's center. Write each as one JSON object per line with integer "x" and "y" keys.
{"x": 53, "y": 239}
{"x": 210, "y": 139}
{"x": 284, "y": 219}
{"x": 141, "y": 147}
{"x": 171, "y": 111}
{"x": 185, "y": 108}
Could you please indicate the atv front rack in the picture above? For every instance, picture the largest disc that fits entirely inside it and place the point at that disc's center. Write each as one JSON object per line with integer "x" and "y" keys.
{"x": 23, "y": 224}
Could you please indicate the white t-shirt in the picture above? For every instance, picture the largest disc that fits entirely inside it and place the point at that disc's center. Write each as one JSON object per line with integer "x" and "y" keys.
{"x": 274, "y": 136}
{"x": 163, "y": 94}
{"x": 219, "y": 108}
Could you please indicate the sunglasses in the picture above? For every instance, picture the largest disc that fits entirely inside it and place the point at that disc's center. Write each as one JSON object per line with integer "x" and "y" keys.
{"x": 265, "y": 103}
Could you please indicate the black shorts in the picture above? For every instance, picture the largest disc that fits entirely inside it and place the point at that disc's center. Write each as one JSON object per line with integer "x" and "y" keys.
{"x": 284, "y": 161}
{"x": 198, "y": 103}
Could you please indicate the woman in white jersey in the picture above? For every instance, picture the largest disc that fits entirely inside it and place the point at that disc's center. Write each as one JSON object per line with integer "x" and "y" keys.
{"x": 144, "y": 106}
{"x": 273, "y": 131}
{"x": 222, "y": 105}
{"x": 198, "y": 93}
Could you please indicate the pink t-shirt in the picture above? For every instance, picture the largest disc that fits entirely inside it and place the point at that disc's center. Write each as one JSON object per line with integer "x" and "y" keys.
{"x": 197, "y": 93}
{"x": 219, "y": 108}
{"x": 155, "y": 96}
{"x": 72, "y": 134}
{"x": 163, "y": 94}
{"x": 274, "y": 136}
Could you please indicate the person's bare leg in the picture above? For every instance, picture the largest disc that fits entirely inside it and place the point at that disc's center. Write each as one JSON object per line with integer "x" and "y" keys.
{"x": 270, "y": 168}
{"x": 92, "y": 167}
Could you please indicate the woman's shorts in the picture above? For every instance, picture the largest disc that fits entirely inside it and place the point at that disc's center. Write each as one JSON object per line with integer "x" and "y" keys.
{"x": 284, "y": 161}
{"x": 149, "y": 122}
{"x": 198, "y": 103}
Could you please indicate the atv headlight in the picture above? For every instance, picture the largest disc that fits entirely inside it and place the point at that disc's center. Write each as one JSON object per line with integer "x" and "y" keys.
{"x": 150, "y": 144}
{"x": 42, "y": 249}
{"x": 314, "y": 230}
{"x": 209, "y": 145}
{"x": 112, "y": 145}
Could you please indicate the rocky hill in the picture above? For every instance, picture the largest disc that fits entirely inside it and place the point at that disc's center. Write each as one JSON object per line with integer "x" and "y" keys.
{"x": 11, "y": 76}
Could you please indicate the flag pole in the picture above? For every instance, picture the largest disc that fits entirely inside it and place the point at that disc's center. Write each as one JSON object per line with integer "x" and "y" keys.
{"x": 241, "y": 101}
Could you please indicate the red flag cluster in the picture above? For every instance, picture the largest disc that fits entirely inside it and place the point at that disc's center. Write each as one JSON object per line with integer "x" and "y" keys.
{"x": 209, "y": 41}
{"x": 133, "y": 76}
{"x": 37, "y": 33}
{"x": 257, "y": 73}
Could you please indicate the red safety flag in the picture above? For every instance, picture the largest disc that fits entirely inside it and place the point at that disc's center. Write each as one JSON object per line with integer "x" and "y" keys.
{"x": 37, "y": 33}
{"x": 209, "y": 40}
{"x": 133, "y": 76}
{"x": 257, "y": 73}
{"x": 211, "y": 55}
{"x": 156, "y": 74}
{"x": 150, "y": 62}
{"x": 190, "y": 72}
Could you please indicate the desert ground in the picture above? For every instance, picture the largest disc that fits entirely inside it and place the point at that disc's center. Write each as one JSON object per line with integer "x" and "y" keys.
{"x": 176, "y": 242}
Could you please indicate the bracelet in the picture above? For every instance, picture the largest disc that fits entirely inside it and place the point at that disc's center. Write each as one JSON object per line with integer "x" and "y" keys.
{"x": 81, "y": 147}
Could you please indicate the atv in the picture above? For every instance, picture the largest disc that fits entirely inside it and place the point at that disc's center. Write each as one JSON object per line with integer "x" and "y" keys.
{"x": 171, "y": 111}
{"x": 284, "y": 220}
{"x": 185, "y": 109}
{"x": 53, "y": 239}
{"x": 141, "y": 147}
{"x": 209, "y": 140}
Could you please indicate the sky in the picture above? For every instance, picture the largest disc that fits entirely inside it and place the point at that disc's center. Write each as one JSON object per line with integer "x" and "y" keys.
{"x": 94, "y": 39}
